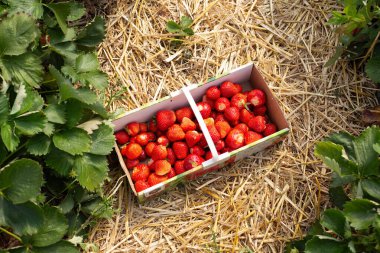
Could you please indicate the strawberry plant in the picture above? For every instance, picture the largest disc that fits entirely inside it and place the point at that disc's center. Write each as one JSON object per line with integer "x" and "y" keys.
{"x": 181, "y": 29}
{"x": 353, "y": 225}
{"x": 54, "y": 131}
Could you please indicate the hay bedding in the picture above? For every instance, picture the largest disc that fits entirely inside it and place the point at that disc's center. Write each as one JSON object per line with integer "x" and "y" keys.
{"x": 263, "y": 201}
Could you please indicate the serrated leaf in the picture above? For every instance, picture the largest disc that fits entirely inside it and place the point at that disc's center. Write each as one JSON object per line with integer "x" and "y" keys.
{"x": 376, "y": 147}
{"x": 49, "y": 129}
{"x": 31, "y": 7}
{"x": 38, "y": 145}
{"x": 74, "y": 108}
{"x": 4, "y": 108}
{"x": 53, "y": 229}
{"x": 338, "y": 196}
{"x": 103, "y": 140}
{"x": 56, "y": 113}
{"x": 317, "y": 245}
{"x": 21, "y": 180}
{"x": 68, "y": 50}
{"x": 188, "y": 31}
{"x": 372, "y": 69}
{"x": 372, "y": 187}
{"x": 360, "y": 213}
{"x": 10, "y": 139}
{"x": 334, "y": 220}
{"x": 93, "y": 34}
{"x": 59, "y": 247}
{"x": 87, "y": 63}
{"x": 185, "y": 22}
{"x": 67, "y": 204}
{"x": 346, "y": 140}
{"x": 31, "y": 123}
{"x": 60, "y": 161}
{"x": 173, "y": 27}
{"x": 57, "y": 36}
{"x": 99, "y": 109}
{"x": 27, "y": 99}
{"x": 66, "y": 11}
{"x": 96, "y": 79}
{"x": 74, "y": 141}
{"x": 91, "y": 170}
{"x": 17, "y": 33}
{"x": 97, "y": 207}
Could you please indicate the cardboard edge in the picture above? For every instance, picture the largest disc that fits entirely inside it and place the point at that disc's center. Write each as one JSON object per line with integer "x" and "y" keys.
{"x": 124, "y": 167}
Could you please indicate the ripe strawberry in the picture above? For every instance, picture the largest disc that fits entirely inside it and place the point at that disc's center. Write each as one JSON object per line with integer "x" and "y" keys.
{"x": 238, "y": 87}
{"x": 171, "y": 156}
{"x": 184, "y": 112}
{"x": 132, "y": 151}
{"x": 151, "y": 136}
{"x": 121, "y": 137}
{"x": 140, "y": 172}
{"x": 245, "y": 116}
{"x": 221, "y": 104}
{"x": 163, "y": 140}
{"x": 213, "y": 114}
{"x": 232, "y": 113}
{"x": 142, "y": 139}
{"x": 162, "y": 167}
{"x": 156, "y": 179}
{"x": 141, "y": 185}
{"x": 143, "y": 127}
{"x": 150, "y": 164}
{"x": 243, "y": 127}
{"x": 251, "y": 136}
{"x": 192, "y": 138}
{"x": 213, "y": 93}
{"x": 188, "y": 125}
{"x": 256, "y": 97}
{"x": 215, "y": 136}
{"x": 228, "y": 89}
{"x": 133, "y": 128}
{"x": 197, "y": 150}
{"x": 234, "y": 123}
{"x": 142, "y": 157}
{"x": 239, "y": 100}
{"x": 208, "y": 155}
{"x": 270, "y": 129}
{"x": 171, "y": 173}
{"x": 205, "y": 109}
{"x": 208, "y": 101}
{"x": 220, "y": 117}
{"x": 223, "y": 128}
{"x": 202, "y": 142}
{"x": 159, "y": 153}
{"x": 179, "y": 167}
{"x": 149, "y": 148}
{"x": 175, "y": 133}
{"x": 165, "y": 119}
{"x": 235, "y": 139}
{"x": 219, "y": 145}
{"x": 131, "y": 163}
{"x": 260, "y": 110}
{"x": 192, "y": 161}
{"x": 181, "y": 150}
{"x": 257, "y": 124}
{"x": 133, "y": 139}
{"x": 152, "y": 126}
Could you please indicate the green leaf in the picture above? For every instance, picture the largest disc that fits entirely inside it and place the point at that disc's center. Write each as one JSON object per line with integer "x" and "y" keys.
{"x": 97, "y": 207}
{"x": 372, "y": 187}
{"x": 185, "y": 22}
{"x": 60, "y": 161}
{"x": 66, "y": 11}
{"x": 10, "y": 139}
{"x": 372, "y": 69}
{"x": 173, "y": 27}
{"x": 93, "y": 34}
{"x": 91, "y": 170}
{"x": 21, "y": 180}
{"x": 96, "y": 79}
{"x": 74, "y": 141}
{"x": 317, "y": 245}
{"x": 53, "y": 229}
{"x": 346, "y": 140}
{"x": 4, "y": 108}
{"x": 74, "y": 108}
{"x": 27, "y": 99}
{"x": 376, "y": 147}
{"x": 103, "y": 140}
{"x": 338, "y": 53}
{"x": 68, "y": 50}
{"x": 335, "y": 221}
{"x": 67, "y": 204}
{"x": 49, "y": 129}
{"x": 16, "y": 34}
{"x": 360, "y": 213}
{"x": 98, "y": 108}
{"x": 31, "y": 123}
{"x": 59, "y": 247}
{"x": 24, "y": 69}
{"x": 338, "y": 196}
{"x": 188, "y": 31}
{"x": 56, "y": 113}
{"x": 57, "y": 36}
{"x": 38, "y": 145}
{"x": 87, "y": 63}
{"x": 24, "y": 219}
{"x": 31, "y": 7}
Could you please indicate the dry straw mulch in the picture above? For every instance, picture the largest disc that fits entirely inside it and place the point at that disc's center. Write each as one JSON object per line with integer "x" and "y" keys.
{"x": 263, "y": 201}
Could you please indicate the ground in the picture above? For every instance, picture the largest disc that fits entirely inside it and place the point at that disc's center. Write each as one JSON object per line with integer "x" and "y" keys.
{"x": 267, "y": 199}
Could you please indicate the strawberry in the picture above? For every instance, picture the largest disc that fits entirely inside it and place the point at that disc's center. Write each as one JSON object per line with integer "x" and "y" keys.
{"x": 251, "y": 136}
{"x": 141, "y": 185}
{"x": 192, "y": 138}
{"x": 245, "y": 116}
{"x": 150, "y": 164}
{"x": 221, "y": 104}
{"x": 131, "y": 163}
{"x": 205, "y": 109}
{"x": 165, "y": 119}
{"x": 140, "y": 172}
{"x": 202, "y": 142}
{"x": 238, "y": 88}
{"x": 151, "y": 136}
{"x": 171, "y": 173}
{"x": 159, "y": 153}
{"x": 213, "y": 114}
{"x": 235, "y": 139}
{"x": 192, "y": 161}
{"x": 239, "y": 100}
{"x": 256, "y": 97}
{"x": 223, "y": 128}
{"x": 208, "y": 155}
{"x": 162, "y": 167}
{"x": 188, "y": 125}
{"x": 156, "y": 179}
{"x": 213, "y": 93}
{"x": 234, "y": 123}
{"x": 152, "y": 126}
{"x": 228, "y": 89}
{"x": 175, "y": 133}
{"x": 197, "y": 150}
{"x": 121, "y": 137}
{"x": 133, "y": 128}
{"x": 270, "y": 129}
{"x": 243, "y": 127}
{"x": 133, "y": 139}
{"x": 257, "y": 124}
{"x": 181, "y": 150}
{"x": 215, "y": 136}
{"x": 142, "y": 157}
{"x": 171, "y": 156}
{"x": 220, "y": 117}
{"x": 260, "y": 110}
{"x": 149, "y": 148}
{"x": 232, "y": 113}
{"x": 219, "y": 145}
{"x": 184, "y": 112}
{"x": 163, "y": 140}
{"x": 142, "y": 139}
{"x": 132, "y": 151}
{"x": 143, "y": 127}
{"x": 208, "y": 101}
{"x": 179, "y": 167}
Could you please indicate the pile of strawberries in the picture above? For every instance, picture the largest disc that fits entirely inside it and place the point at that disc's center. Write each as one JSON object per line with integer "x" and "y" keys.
{"x": 173, "y": 143}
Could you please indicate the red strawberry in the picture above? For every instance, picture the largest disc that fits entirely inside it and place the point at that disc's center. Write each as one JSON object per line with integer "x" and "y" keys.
{"x": 208, "y": 101}
{"x": 140, "y": 172}
{"x": 213, "y": 115}
{"x": 171, "y": 173}
{"x": 202, "y": 142}
{"x": 260, "y": 110}
{"x": 179, "y": 167}
{"x": 215, "y": 136}
{"x": 228, "y": 89}
{"x": 181, "y": 150}
{"x": 188, "y": 125}
{"x": 220, "y": 117}
{"x": 192, "y": 138}
{"x": 171, "y": 156}
{"x": 239, "y": 100}
{"x": 213, "y": 93}
{"x": 141, "y": 185}
{"x": 234, "y": 123}
{"x": 232, "y": 113}
{"x": 243, "y": 127}
{"x": 270, "y": 129}
{"x": 205, "y": 109}
{"x": 162, "y": 167}
{"x": 175, "y": 133}
{"x": 152, "y": 126}
{"x": 131, "y": 163}
{"x": 208, "y": 155}
{"x": 150, "y": 164}
{"x": 238, "y": 87}
{"x": 256, "y": 97}
{"x": 251, "y": 136}
{"x": 223, "y": 128}
{"x": 142, "y": 157}
{"x": 132, "y": 151}
{"x": 163, "y": 140}
{"x": 197, "y": 150}
{"x": 184, "y": 112}
{"x": 235, "y": 139}
{"x": 219, "y": 145}
{"x": 143, "y": 127}
{"x": 142, "y": 139}
{"x": 245, "y": 116}
{"x": 149, "y": 148}
{"x": 192, "y": 161}
{"x": 156, "y": 179}
{"x": 257, "y": 124}
{"x": 165, "y": 119}
{"x": 133, "y": 128}
{"x": 221, "y": 104}
{"x": 133, "y": 139}
{"x": 121, "y": 137}
{"x": 159, "y": 153}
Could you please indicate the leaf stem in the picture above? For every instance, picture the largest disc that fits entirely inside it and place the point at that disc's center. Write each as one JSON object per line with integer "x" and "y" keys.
{"x": 11, "y": 234}
{"x": 13, "y": 153}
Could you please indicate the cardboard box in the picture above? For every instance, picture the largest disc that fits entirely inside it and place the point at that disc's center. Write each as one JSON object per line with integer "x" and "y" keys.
{"x": 249, "y": 77}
